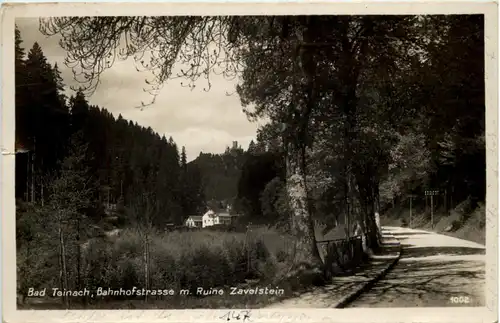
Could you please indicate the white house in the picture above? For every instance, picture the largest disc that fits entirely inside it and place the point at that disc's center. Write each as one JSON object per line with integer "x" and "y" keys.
{"x": 194, "y": 221}
{"x": 211, "y": 218}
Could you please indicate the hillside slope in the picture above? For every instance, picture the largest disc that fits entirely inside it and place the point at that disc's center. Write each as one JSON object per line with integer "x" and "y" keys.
{"x": 465, "y": 221}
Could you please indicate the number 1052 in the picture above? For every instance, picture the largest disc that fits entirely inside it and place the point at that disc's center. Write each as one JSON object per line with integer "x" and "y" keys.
{"x": 460, "y": 299}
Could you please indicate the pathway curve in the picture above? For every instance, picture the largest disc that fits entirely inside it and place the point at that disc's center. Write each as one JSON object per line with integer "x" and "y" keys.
{"x": 342, "y": 288}
{"x": 432, "y": 269}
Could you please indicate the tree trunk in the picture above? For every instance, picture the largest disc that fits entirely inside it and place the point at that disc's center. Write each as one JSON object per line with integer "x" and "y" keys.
{"x": 146, "y": 266}
{"x": 78, "y": 258}
{"x": 63, "y": 264}
{"x": 347, "y": 200}
{"x": 307, "y": 259}
{"x": 308, "y": 266}
{"x": 377, "y": 196}
{"x": 373, "y": 239}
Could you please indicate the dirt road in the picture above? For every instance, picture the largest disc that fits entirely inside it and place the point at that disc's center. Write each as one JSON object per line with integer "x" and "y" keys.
{"x": 434, "y": 271}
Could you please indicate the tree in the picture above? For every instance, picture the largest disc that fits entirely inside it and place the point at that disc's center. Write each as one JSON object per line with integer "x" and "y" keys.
{"x": 274, "y": 203}
{"x": 49, "y": 113}
{"x": 41, "y": 118}
{"x": 195, "y": 191}
{"x": 70, "y": 199}
{"x": 256, "y": 173}
{"x": 22, "y": 120}
{"x": 142, "y": 212}
{"x": 183, "y": 159}
{"x": 220, "y": 173}
{"x": 443, "y": 100}
{"x": 251, "y": 147}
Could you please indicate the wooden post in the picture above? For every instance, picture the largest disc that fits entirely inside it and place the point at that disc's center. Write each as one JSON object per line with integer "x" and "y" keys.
{"x": 432, "y": 212}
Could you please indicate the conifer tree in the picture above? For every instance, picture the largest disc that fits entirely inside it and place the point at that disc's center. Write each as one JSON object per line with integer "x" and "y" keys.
{"x": 71, "y": 197}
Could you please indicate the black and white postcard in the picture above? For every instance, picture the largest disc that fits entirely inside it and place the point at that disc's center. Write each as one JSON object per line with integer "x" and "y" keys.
{"x": 294, "y": 162}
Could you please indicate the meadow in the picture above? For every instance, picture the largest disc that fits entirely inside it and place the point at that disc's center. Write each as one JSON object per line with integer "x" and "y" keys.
{"x": 178, "y": 261}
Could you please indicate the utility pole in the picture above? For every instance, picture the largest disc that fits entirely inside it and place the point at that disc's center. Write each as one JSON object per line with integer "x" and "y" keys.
{"x": 432, "y": 193}
{"x": 432, "y": 214}
{"x": 411, "y": 196}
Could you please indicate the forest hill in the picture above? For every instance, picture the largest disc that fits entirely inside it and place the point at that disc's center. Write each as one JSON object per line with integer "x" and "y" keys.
{"x": 120, "y": 161}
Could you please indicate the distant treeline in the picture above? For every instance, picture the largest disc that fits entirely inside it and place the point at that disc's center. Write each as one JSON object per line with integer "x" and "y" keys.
{"x": 121, "y": 161}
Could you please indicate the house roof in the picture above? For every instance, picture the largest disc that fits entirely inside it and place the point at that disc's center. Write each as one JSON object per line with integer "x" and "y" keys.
{"x": 210, "y": 213}
{"x": 195, "y": 217}
{"x": 225, "y": 214}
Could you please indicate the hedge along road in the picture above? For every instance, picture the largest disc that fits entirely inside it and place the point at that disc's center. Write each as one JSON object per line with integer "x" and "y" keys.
{"x": 434, "y": 270}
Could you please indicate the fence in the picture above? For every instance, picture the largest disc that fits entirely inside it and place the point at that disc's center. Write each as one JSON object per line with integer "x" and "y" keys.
{"x": 341, "y": 255}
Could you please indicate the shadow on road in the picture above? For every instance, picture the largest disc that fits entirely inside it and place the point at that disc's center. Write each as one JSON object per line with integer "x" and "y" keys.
{"x": 429, "y": 284}
{"x": 411, "y": 251}
{"x": 404, "y": 234}
{"x": 430, "y": 276}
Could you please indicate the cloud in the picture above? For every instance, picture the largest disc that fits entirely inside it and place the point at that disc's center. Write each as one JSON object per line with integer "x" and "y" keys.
{"x": 199, "y": 120}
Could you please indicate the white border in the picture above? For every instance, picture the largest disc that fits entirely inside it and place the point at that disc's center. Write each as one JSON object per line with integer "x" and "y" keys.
{"x": 485, "y": 314}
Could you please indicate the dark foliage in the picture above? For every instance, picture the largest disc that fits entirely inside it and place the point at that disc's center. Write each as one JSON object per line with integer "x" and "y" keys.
{"x": 125, "y": 160}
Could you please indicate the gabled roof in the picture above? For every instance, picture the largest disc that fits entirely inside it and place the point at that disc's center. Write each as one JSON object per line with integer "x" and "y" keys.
{"x": 227, "y": 215}
{"x": 195, "y": 217}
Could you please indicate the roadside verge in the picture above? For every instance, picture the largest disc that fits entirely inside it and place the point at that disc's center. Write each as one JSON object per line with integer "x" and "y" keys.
{"x": 345, "y": 289}
{"x": 381, "y": 264}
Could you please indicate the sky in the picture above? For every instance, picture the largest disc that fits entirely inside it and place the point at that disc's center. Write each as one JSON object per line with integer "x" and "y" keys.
{"x": 201, "y": 121}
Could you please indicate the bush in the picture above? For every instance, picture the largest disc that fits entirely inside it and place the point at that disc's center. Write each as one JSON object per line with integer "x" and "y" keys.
{"x": 220, "y": 227}
{"x": 178, "y": 260}
{"x": 37, "y": 256}
{"x": 181, "y": 260}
